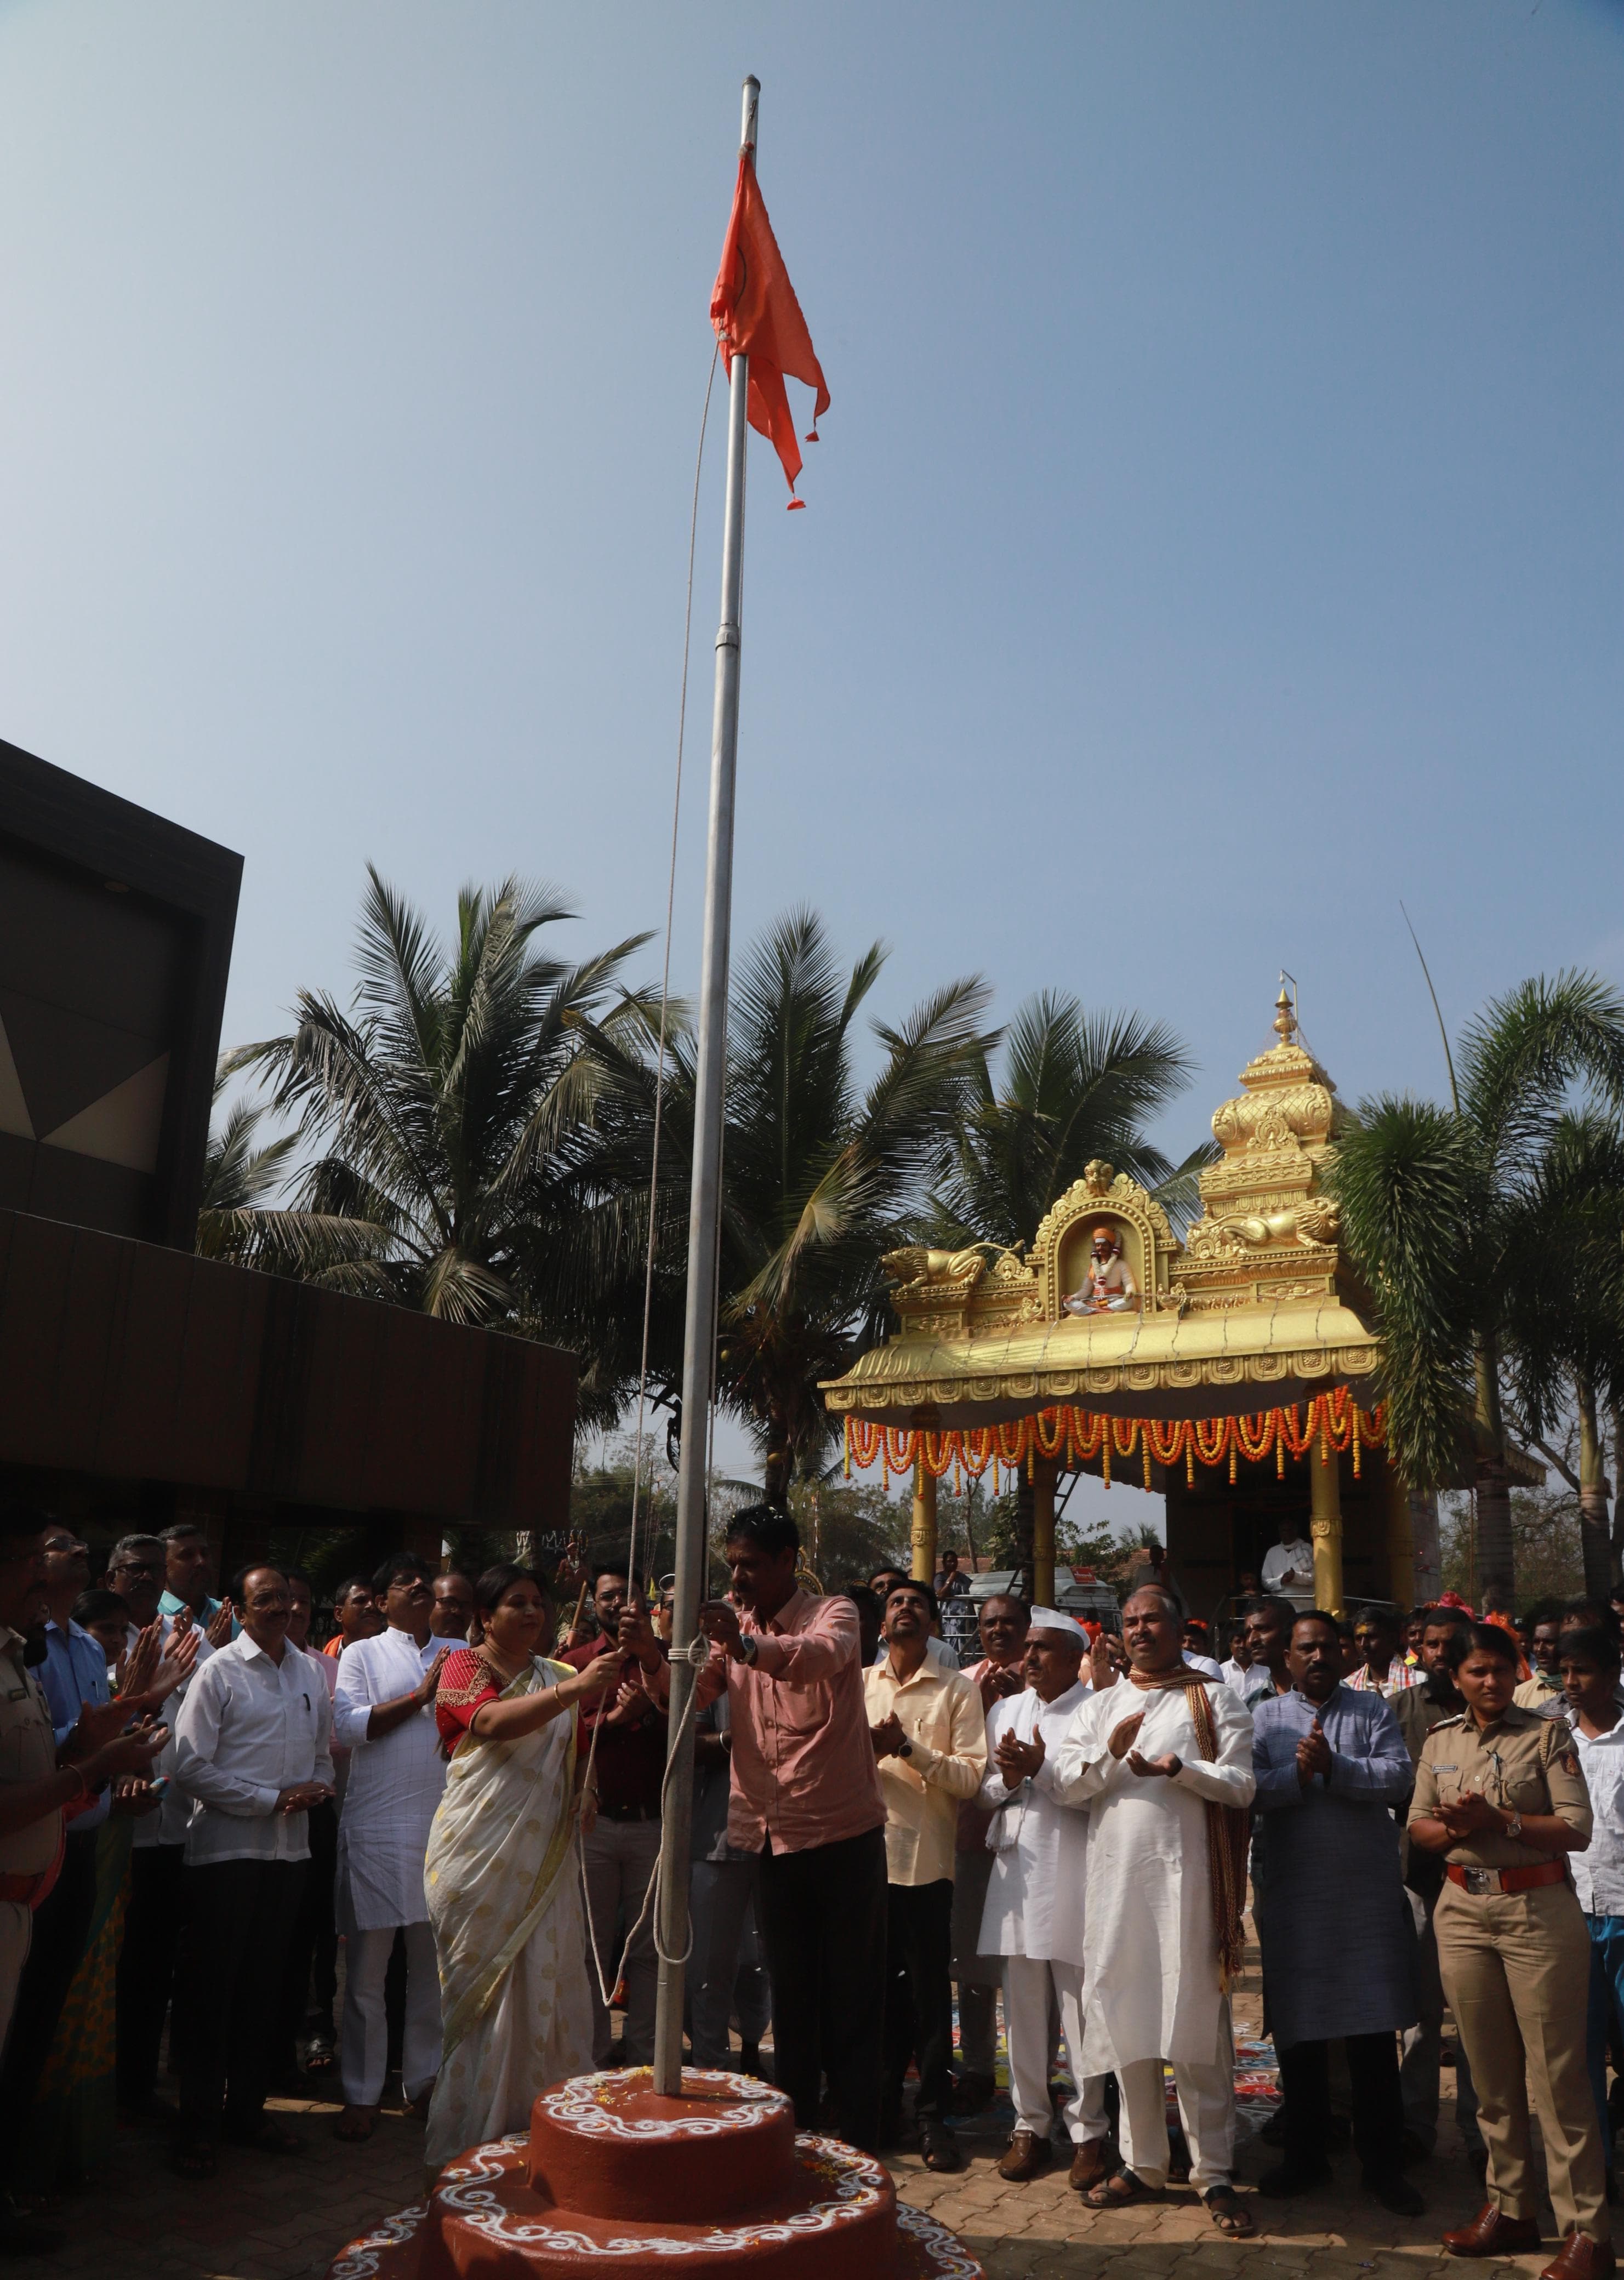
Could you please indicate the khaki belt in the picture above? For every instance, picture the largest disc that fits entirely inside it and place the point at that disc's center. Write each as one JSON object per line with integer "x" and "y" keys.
{"x": 1481, "y": 1881}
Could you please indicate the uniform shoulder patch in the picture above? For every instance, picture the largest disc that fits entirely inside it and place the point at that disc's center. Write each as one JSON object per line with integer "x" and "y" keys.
{"x": 1556, "y": 1745}
{"x": 1443, "y": 1724}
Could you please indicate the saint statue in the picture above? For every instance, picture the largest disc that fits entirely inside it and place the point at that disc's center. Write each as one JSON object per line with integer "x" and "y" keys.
{"x": 1108, "y": 1287}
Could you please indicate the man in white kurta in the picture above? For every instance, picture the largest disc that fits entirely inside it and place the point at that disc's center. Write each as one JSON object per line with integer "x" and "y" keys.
{"x": 1034, "y": 1913}
{"x": 1152, "y": 1986}
{"x": 383, "y": 1709}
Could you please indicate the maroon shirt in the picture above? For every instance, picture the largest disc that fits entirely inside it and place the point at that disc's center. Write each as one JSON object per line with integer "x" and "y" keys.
{"x": 630, "y": 1764}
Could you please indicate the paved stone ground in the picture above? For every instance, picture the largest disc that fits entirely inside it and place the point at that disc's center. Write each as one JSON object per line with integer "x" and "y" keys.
{"x": 264, "y": 2218}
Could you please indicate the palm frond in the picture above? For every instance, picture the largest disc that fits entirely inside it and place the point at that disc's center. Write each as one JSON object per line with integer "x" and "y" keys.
{"x": 1408, "y": 1177}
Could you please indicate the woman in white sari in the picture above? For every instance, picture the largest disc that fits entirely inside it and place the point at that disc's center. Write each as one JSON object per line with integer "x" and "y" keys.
{"x": 501, "y": 1879}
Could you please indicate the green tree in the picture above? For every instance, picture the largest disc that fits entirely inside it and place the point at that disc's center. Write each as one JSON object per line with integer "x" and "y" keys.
{"x": 821, "y": 1174}
{"x": 235, "y": 1221}
{"x": 1546, "y": 1543}
{"x": 1565, "y": 1279}
{"x": 452, "y": 1110}
{"x": 1066, "y": 1088}
{"x": 1435, "y": 1206}
{"x": 848, "y": 1529}
{"x": 1061, "y": 1089}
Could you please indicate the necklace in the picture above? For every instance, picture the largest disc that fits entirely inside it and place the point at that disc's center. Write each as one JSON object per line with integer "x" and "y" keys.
{"x": 488, "y": 1655}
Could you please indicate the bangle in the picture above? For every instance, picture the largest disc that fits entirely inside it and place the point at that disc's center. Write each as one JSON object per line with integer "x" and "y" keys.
{"x": 84, "y": 1786}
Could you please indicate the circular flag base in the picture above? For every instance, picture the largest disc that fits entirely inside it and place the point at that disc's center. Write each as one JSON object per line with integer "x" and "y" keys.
{"x": 612, "y": 2178}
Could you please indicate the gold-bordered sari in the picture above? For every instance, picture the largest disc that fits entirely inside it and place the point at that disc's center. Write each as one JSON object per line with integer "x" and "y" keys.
{"x": 507, "y": 1923}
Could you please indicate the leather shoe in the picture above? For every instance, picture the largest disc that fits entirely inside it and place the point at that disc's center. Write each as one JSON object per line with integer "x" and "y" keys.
{"x": 1580, "y": 2258}
{"x": 1490, "y": 2233}
{"x": 1090, "y": 2164}
{"x": 1395, "y": 2192}
{"x": 1028, "y": 2153}
{"x": 1286, "y": 2183}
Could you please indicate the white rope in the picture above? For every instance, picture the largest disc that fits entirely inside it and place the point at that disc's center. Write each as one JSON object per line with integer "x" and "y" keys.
{"x": 686, "y": 1727}
{"x": 650, "y": 1898}
{"x": 664, "y": 984}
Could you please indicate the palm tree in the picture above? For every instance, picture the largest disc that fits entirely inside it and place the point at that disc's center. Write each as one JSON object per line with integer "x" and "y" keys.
{"x": 452, "y": 1107}
{"x": 820, "y": 1174}
{"x": 1565, "y": 1279}
{"x": 1432, "y": 1200}
{"x": 236, "y": 1221}
{"x": 1073, "y": 1087}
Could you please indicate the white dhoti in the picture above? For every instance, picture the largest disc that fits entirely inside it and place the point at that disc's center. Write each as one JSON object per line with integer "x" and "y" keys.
{"x": 1028, "y": 1983}
{"x": 1154, "y": 1989}
{"x": 364, "y": 2048}
{"x": 397, "y": 1780}
{"x": 1206, "y": 2108}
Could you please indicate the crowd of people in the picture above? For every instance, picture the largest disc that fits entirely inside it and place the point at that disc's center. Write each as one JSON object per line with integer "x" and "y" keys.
{"x": 198, "y": 1807}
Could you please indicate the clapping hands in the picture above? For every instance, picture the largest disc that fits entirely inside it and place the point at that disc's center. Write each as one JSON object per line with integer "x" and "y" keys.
{"x": 1313, "y": 1755}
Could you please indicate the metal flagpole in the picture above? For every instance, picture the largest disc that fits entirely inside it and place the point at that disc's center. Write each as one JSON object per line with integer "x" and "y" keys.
{"x": 699, "y": 1326}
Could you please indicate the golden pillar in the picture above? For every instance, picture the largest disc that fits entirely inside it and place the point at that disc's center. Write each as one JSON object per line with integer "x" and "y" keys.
{"x": 924, "y": 1523}
{"x": 1400, "y": 1541}
{"x": 1044, "y": 1471}
{"x": 1325, "y": 1526}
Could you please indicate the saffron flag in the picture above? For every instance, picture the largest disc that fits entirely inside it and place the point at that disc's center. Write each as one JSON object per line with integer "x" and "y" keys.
{"x": 756, "y": 314}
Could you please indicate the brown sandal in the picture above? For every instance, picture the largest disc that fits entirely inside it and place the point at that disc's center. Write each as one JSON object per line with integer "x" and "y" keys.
{"x": 1120, "y": 2190}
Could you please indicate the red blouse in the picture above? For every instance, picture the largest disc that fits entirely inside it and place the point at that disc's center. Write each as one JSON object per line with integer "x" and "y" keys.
{"x": 465, "y": 1684}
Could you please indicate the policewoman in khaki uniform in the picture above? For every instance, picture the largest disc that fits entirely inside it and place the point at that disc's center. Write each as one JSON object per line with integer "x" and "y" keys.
{"x": 1498, "y": 1792}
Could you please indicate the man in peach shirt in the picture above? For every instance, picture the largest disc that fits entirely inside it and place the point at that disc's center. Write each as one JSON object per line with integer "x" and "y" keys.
{"x": 805, "y": 1792}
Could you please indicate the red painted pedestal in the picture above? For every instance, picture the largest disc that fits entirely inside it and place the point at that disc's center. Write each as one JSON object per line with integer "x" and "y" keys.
{"x": 615, "y": 2180}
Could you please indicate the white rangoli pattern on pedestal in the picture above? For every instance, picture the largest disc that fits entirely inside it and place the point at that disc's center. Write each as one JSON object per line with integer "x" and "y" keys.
{"x": 859, "y": 2185}
{"x": 579, "y": 2105}
{"x": 360, "y": 2259}
{"x": 951, "y": 2260}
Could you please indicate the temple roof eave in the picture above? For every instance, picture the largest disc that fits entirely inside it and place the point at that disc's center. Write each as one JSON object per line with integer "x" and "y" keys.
{"x": 1161, "y": 1365}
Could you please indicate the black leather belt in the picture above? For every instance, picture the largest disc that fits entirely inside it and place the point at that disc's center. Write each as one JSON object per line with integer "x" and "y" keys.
{"x": 628, "y": 1812}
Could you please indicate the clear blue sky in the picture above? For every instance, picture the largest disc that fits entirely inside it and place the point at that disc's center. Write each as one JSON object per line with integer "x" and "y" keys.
{"x": 1216, "y": 534}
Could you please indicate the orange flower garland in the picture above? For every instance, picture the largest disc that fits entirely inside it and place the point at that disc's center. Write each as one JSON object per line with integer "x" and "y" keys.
{"x": 1074, "y": 1437}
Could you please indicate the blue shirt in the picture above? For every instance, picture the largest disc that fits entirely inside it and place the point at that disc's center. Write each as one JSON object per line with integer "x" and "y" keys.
{"x": 74, "y": 1672}
{"x": 1332, "y": 1917}
{"x": 170, "y": 1605}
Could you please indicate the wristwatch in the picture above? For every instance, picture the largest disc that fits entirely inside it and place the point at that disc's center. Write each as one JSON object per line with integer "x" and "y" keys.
{"x": 1513, "y": 1826}
{"x": 749, "y": 1647}
{"x": 905, "y": 1748}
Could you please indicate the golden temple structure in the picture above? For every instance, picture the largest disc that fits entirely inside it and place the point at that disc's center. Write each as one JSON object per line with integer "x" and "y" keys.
{"x": 1235, "y": 1370}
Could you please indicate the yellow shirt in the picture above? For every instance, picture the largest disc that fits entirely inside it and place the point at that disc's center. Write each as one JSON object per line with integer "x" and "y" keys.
{"x": 941, "y": 1714}
{"x": 1535, "y": 1692}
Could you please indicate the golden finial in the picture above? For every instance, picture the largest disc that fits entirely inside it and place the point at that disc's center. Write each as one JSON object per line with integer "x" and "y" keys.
{"x": 1285, "y": 1016}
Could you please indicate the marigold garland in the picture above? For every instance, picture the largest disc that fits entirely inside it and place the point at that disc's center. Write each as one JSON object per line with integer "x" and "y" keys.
{"x": 1334, "y": 1421}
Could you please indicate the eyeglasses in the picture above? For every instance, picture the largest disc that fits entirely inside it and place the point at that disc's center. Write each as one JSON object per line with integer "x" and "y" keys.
{"x": 131, "y": 1567}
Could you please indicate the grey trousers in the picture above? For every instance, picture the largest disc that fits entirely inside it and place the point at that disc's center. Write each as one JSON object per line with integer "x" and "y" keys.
{"x": 975, "y": 1975}
{"x": 618, "y": 1860}
{"x": 728, "y": 1971}
{"x": 1418, "y": 2072}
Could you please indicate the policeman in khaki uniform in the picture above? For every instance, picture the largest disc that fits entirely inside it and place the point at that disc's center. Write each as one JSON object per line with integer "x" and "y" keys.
{"x": 1499, "y": 1793}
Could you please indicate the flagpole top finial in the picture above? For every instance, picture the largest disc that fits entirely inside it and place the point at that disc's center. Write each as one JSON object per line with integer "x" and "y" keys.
{"x": 747, "y": 126}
